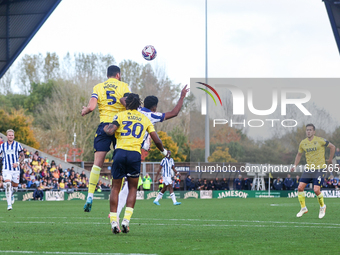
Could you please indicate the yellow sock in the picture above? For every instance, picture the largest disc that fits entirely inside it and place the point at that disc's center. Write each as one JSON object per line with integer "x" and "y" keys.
{"x": 94, "y": 177}
{"x": 128, "y": 213}
{"x": 113, "y": 216}
{"x": 320, "y": 200}
{"x": 301, "y": 197}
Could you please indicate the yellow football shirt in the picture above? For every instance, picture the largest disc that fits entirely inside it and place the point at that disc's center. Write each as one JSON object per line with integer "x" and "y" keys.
{"x": 131, "y": 130}
{"x": 108, "y": 95}
{"x": 315, "y": 152}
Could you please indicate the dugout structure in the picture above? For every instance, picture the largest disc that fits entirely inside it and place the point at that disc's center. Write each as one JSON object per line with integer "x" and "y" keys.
{"x": 20, "y": 20}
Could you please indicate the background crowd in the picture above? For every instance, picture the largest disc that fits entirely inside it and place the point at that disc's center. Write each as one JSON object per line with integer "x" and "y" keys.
{"x": 42, "y": 174}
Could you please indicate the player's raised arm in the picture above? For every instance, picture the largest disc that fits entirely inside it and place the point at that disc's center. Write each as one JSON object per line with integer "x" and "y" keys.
{"x": 90, "y": 107}
{"x": 332, "y": 152}
{"x": 296, "y": 162}
{"x": 175, "y": 111}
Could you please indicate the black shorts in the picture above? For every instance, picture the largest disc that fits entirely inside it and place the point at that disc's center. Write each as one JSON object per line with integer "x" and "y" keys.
{"x": 316, "y": 176}
{"x": 102, "y": 141}
{"x": 125, "y": 164}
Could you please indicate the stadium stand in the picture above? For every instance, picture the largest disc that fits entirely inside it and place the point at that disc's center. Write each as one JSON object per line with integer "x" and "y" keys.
{"x": 41, "y": 169}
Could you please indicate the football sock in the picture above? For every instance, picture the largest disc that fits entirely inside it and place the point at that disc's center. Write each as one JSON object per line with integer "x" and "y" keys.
{"x": 94, "y": 177}
{"x": 320, "y": 200}
{"x": 173, "y": 197}
{"x": 8, "y": 192}
{"x": 128, "y": 213}
{"x": 14, "y": 190}
{"x": 113, "y": 216}
{"x": 302, "y": 199}
{"x": 159, "y": 196}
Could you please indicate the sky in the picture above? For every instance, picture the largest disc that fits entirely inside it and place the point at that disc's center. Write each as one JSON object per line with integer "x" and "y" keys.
{"x": 246, "y": 39}
{"x": 261, "y": 38}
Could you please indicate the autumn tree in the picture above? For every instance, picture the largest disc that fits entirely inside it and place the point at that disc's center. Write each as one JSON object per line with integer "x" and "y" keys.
{"x": 21, "y": 124}
{"x": 155, "y": 155}
{"x": 220, "y": 155}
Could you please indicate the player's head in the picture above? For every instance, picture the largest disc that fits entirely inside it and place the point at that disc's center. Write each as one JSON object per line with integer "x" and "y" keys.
{"x": 310, "y": 130}
{"x": 113, "y": 72}
{"x": 169, "y": 154}
{"x": 132, "y": 101}
{"x": 151, "y": 102}
{"x": 10, "y": 135}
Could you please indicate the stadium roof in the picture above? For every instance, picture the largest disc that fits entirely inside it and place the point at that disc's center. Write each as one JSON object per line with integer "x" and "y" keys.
{"x": 333, "y": 10}
{"x": 19, "y": 22}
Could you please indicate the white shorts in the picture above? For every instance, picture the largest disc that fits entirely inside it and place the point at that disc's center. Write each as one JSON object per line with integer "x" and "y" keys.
{"x": 167, "y": 180}
{"x": 13, "y": 176}
{"x": 146, "y": 142}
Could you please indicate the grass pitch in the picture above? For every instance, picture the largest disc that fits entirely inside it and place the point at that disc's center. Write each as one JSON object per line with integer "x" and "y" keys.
{"x": 198, "y": 226}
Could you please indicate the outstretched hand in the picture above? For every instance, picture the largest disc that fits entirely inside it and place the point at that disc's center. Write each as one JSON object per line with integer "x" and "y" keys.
{"x": 84, "y": 111}
{"x": 184, "y": 91}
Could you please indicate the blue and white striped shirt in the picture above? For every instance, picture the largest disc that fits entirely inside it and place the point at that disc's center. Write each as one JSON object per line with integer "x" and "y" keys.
{"x": 10, "y": 155}
{"x": 167, "y": 164}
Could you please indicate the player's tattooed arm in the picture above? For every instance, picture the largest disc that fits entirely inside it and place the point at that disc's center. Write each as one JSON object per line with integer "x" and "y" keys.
{"x": 111, "y": 128}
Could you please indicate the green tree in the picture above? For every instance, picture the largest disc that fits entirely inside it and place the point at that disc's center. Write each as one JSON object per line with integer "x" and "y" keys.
{"x": 40, "y": 93}
{"x": 181, "y": 139}
{"x": 12, "y": 101}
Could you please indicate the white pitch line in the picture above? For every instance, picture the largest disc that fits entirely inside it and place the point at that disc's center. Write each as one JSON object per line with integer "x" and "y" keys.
{"x": 70, "y": 253}
{"x": 246, "y": 221}
{"x": 184, "y": 224}
{"x": 200, "y": 220}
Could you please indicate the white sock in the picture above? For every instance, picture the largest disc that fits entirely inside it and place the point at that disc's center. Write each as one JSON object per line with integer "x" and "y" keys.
{"x": 159, "y": 196}
{"x": 173, "y": 197}
{"x": 14, "y": 190}
{"x": 8, "y": 192}
{"x": 90, "y": 195}
{"x": 122, "y": 199}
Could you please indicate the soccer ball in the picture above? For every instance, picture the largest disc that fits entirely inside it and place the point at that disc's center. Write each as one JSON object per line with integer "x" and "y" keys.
{"x": 149, "y": 52}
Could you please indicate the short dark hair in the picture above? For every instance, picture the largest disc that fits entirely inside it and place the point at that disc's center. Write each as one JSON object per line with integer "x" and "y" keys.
{"x": 112, "y": 71}
{"x": 310, "y": 125}
{"x": 150, "y": 101}
{"x": 132, "y": 101}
